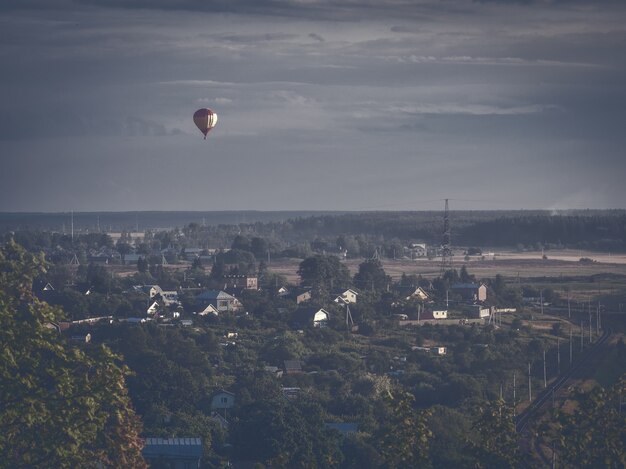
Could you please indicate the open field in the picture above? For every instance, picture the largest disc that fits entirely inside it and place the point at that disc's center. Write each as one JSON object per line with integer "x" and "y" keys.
{"x": 563, "y": 263}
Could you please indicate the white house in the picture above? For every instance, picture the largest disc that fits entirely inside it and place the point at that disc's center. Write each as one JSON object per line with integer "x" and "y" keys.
{"x": 170, "y": 297}
{"x": 479, "y": 311}
{"x": 317, "y": 317}
{"x": 417, "y": 250}
{"x": 209, "y": 309}
{"x": 418, "y": 294}
{"x": 153, "y": 308}
{"x": 435, "y": 314}
{"x": 346, "y": 297}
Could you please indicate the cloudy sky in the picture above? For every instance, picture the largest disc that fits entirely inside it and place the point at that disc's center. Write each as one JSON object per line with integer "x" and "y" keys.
{"x": 322, "y": 104}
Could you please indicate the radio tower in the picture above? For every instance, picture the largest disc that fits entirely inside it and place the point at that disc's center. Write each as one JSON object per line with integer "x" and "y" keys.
{"x": 446, "y": 252}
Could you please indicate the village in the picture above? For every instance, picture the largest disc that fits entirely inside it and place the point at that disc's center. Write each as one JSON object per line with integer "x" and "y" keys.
{"x": 314, "y": 327}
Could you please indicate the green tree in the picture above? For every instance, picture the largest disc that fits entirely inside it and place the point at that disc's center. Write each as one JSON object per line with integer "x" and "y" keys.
{"x": 142, "y": 265}
{"x": 404, "y": 439}
{"x": 594, "y": 434}
{"x": 60, "y": 406}
{"x": 496, "y": 443}
{"x": 371, "y": 275}
{"x": 323, "y": 273}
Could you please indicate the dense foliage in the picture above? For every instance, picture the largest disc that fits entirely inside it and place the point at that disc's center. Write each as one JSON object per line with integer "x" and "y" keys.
{"x": 60, "y": 405}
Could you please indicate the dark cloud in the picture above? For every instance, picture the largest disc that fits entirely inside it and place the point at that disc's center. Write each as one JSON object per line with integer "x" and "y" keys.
{"x": 317, "y": 37}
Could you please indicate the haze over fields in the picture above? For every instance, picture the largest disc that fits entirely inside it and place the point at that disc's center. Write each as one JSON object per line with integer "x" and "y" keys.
{"x": 390, "y": 105}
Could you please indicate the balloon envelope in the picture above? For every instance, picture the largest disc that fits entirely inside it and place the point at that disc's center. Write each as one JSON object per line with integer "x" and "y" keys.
{"x": 205, "y": 120}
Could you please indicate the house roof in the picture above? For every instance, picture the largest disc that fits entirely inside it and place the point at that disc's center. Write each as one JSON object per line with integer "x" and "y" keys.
{"x": 222, "y": 391}
{"x": 305, "y": 315}
{"x": 173, "y": 447}
{"x": 292, "y": 365}
{"x": 214, "y": 295}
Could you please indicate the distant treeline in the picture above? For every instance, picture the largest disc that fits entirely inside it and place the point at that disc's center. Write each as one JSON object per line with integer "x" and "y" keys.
{"x": 603, "y": 230}
{"x": 142, "y": 220}
{"x": 386, "y": 231}
{"x": 600, "y": 232}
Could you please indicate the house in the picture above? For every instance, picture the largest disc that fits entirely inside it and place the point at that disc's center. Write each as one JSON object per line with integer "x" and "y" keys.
{"x": 135, "y": 320}
{"x": 292, "y": 367}
{"x": 192, "y": 253}
{"x": 222, "y": 301}
{"x": 282, "y": 292}
{"x": 316, "y": 317}
{"x": 81, "y": 339}
{"x": 434, "y": 314}
{"x": 153, "y": 308}
{"x": 418, "y": 294}
{"x": 98, "y": 258}
{"x": 221, "y": 421}
{"x": 274, "y": 370}
{"x": 470, "y": 291}
{"x": 438, "y": 350}
{"x": 209, "y": 309}
{"x": 170, "y": 297}
{"x": 48, "y": 287}
{"x": 346, "y": 296}
{"x": 132, "y": 258}
{"x": 246, "y": 282}
{"x": 222, "y": 400}
{"x": 150, "y": 290}
{"x": 479, "y": 311}
{"x": 174, "y": 453}
{"x": 300, "y": 295}
{"x": 417, "y": 250}
{"x": 290, "y": 393}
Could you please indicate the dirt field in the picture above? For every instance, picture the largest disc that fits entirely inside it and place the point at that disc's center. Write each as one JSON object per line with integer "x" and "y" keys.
{"x": 507, "y": 263}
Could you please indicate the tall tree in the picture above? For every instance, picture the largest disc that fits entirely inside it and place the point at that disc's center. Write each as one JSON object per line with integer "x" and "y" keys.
{"x": 496, "y": 443}
{"x": 60, "y": 405}
{"x": 323, "y": 273}
{"x": 371, "y": 275}
{"x": 405, "y": 438}
{"x": 594, "y": 433}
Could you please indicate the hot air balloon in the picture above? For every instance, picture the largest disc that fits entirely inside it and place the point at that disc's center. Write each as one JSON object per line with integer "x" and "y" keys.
{"x": 205, "y": 120}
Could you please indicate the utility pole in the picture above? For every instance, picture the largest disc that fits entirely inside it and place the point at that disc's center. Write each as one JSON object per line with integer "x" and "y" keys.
{"x": 541, "y": 299}
{"x": 446, "y": 251}
{"x": 570, "y": 346}
{"x": 569, "y": 309}
{"x": 545, "y": 381}
{"x": 582, "y": 335}
{"x": 72, "y": 226}
{"x": 530, "y": 392}
{"x": 349, "y": 321}
{"x": 514, "y": 393}
{"x": 558, "y": 357}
